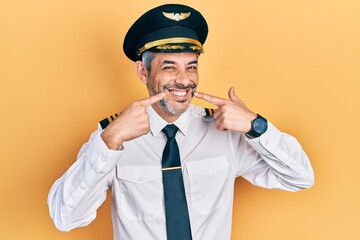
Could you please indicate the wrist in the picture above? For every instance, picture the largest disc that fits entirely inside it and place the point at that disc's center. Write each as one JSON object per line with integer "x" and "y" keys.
{"x": 258, "y": 127}
{"x": 111, "y": 142}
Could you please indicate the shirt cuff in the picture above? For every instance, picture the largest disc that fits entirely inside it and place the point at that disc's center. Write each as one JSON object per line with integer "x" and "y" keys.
{"x": 268, "y": 141}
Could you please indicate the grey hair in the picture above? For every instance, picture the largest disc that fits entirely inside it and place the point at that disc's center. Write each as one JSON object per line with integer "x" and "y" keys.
{"x": 147, "y": 58}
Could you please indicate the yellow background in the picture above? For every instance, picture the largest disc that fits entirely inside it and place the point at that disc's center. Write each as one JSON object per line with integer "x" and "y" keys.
{"x": 62, "y": 70}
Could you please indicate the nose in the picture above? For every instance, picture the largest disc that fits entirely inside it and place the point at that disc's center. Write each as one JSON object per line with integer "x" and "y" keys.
{"x": 183, "y": 78}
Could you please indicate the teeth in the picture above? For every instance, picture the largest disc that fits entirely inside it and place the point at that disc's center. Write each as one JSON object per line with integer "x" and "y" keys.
{"x": 178, "y": 93}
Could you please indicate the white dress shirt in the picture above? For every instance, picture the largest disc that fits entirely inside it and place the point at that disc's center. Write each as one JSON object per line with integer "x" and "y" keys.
{"x": 211, "y": 160}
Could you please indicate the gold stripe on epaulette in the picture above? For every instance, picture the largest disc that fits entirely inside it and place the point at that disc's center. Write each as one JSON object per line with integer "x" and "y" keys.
{"x": 106, "y": 121}
{"x": 113, "y": 117}
{"x": 209, "y": 112}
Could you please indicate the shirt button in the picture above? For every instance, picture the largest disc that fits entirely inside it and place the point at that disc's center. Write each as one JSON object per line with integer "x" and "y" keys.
{"x": 82, "y": 187}
{"x": 102, "y": 158}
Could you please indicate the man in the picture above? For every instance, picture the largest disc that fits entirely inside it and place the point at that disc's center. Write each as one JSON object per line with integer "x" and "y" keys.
{"x": 171, "y": 165}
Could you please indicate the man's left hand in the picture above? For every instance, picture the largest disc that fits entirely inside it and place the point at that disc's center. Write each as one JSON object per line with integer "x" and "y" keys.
{"x": 232, "y": 114}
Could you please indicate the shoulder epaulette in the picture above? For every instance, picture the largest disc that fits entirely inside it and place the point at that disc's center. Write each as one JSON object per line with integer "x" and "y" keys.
{"x": 106, "y": 121}
{"x": 209, "y": 114}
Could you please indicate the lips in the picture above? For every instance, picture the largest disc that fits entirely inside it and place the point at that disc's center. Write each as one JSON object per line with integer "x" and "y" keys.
{"x": 180, "y": 93}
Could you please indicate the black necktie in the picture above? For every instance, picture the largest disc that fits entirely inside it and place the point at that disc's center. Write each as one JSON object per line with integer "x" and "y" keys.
{"x": 176, "y": 211}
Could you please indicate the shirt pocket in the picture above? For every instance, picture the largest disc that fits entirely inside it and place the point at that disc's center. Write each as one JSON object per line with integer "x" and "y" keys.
{"x": 208, "y": 179}
{"x": 141, "y": 192}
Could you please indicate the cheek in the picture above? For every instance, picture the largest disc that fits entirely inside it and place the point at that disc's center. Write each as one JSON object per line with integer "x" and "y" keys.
{"x": 163, "y": 79}
{"x": 194, "y": 76}
{"x": 155, "y": 85}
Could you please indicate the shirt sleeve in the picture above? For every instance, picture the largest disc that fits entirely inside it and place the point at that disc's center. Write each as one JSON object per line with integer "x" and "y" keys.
{"x": 75, "y": 197}
{"x": 275, "y": 160}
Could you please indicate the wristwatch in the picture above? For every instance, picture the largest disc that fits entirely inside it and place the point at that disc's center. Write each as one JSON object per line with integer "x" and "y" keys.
{"x": 258, "y": 127}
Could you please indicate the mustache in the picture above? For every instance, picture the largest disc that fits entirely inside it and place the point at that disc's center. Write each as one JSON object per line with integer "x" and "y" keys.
{"x": 179, "y": 86}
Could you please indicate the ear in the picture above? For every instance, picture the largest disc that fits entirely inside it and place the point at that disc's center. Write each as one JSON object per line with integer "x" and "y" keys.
{"x": 141, "y": 71}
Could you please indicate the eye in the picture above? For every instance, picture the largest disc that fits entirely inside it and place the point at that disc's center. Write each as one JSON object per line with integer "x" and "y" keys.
{"x": 169, "y": 67}
{"x": 192, "y": 67}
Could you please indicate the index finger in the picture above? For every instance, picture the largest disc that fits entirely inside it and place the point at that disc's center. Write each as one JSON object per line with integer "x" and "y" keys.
{"x": 218, "y": 101}
{"x": 151, "y": 100}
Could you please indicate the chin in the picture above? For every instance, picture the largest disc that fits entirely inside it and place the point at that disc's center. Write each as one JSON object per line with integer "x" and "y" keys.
{"x": 175, "y": 108}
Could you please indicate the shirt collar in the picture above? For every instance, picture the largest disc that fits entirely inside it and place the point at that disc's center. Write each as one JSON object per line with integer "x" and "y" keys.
{"x": 157, "y": 123}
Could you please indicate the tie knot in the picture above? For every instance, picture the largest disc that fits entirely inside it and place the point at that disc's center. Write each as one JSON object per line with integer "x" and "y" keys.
{"x": 170, "y": 131}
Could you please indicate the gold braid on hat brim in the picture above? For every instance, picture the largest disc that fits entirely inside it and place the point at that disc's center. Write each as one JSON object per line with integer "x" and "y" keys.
{"x": 163, "y": 42}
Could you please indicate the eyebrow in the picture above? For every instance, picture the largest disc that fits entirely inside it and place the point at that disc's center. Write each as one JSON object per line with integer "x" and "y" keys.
{"x": 168, "y": 62}
{"x": 193, "y": 62}
{"x": 173, "y": 62}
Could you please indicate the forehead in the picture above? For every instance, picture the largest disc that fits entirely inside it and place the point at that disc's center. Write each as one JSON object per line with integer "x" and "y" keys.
{"x": 176, "y": 58}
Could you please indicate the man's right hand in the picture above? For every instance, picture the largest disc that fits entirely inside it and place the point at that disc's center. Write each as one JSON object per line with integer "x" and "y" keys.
{"x": 132, "y": 123}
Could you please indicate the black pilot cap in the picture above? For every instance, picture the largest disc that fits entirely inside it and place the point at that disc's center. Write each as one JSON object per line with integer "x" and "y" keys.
{"x": 167, "y": 28}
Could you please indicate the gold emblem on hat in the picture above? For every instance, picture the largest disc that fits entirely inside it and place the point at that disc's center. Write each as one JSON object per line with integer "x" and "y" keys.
{"x": 176, "y": 16}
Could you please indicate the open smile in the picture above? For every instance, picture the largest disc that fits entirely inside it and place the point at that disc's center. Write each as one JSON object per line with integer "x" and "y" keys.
{"x": 180, "y": 91}
{"x": 180, "y": 94}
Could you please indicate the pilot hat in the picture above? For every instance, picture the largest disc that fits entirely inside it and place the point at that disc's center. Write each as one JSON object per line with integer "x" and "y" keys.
{"x": 167, "y": 28}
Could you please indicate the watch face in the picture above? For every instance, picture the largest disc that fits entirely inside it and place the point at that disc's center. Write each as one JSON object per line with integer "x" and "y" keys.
{"x": 260, "y": 125}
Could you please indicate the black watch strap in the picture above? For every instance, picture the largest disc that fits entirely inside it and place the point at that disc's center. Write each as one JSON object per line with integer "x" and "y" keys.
{"x": 258, "y": 127}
